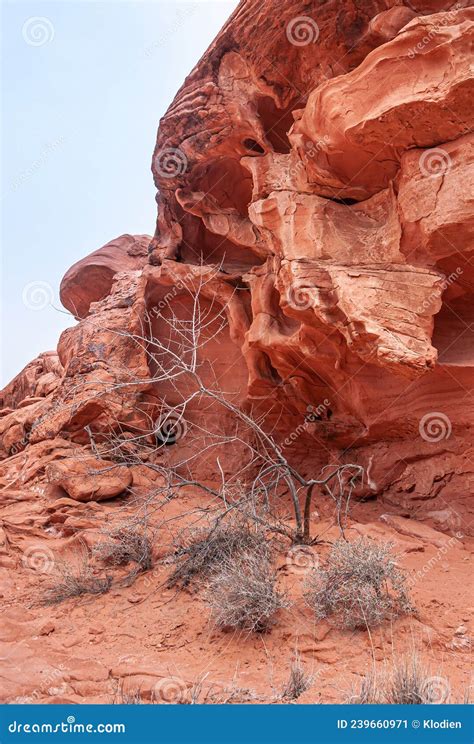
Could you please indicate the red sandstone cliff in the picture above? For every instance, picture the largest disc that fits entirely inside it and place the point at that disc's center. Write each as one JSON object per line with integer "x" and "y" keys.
{"x": 314, "y": 178}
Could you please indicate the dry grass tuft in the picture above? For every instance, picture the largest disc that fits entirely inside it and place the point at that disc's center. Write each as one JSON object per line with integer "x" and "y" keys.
{"x": 359, "y": 586}
{"x": 408, "y": 682}
{"x": 369, "y": 692}
{"x": 411, "y": 683}
{"x": 124, "y": 545}
{"x": 298, "y": 682}
{"x": 74, "y": 580}
{"x": 242, "y": 593}
{"x": 209, "y": 550}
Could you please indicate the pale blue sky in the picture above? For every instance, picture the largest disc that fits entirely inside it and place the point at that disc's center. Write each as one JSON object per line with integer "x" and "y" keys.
{"x": 83, "y": 90}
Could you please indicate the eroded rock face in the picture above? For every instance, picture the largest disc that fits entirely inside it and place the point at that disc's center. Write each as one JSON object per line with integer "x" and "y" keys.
{"x": 365, "y": 124}
{"x": 37, "y": 380}
{"x": 315, "y": 180}
{"x": 91, "y": 278}
{"x": 358, "y": 215}
{"x": 89, "y": 479}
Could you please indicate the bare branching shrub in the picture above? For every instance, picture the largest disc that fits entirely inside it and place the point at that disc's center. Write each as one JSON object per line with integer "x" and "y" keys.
{"x": 73, "y": 579}
{"x": 243, "y": 594}
{"x": 298, "y": 682}
{"x": 209, "y": 550}
{"x": 125, "y": 544}
{"x": 178, "y": 356}
{"x": 359, "y": 586}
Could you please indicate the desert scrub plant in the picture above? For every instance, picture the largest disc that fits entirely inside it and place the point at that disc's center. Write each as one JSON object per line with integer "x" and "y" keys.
{"x": 359, "y": 586}
{"x": 369, "y": 692}
{"x": 128, "y": 697}
{"x": 298, "y": 681}
{"x": 242, "y": 593}
{"x": 209, "y": 550}
{"x": 126, "y": 544}
{"x": 411, "y": 683}
{"x": 406, "y": 682}
{"x": 74, "y": 580}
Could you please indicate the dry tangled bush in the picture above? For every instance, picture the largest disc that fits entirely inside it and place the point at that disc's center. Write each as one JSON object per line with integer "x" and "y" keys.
{"x": 209, "y": 550}
{"x": 242, "y": 593}
{"x": 74, "y": 580}
{"x": 359, "y": 586}
{"x": 126, "y": 544}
